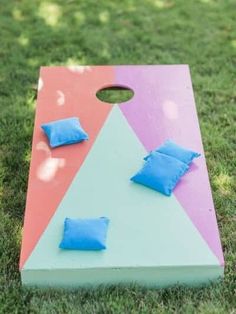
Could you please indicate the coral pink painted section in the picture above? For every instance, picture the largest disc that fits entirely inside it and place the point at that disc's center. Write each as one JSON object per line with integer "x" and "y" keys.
{"x": 63, "y": 92}
{"x": 163, "y": 107}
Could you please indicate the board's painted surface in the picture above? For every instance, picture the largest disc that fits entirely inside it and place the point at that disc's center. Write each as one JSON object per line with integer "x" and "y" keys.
{"x": 60, "y": 180}
{"x": 63, "y": 92}
{"x": 163, "y": 107}
{"x": 146, "y": 228}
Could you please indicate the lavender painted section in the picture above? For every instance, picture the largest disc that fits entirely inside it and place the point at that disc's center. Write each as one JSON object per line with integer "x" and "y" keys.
{"x": 163, "y": 107}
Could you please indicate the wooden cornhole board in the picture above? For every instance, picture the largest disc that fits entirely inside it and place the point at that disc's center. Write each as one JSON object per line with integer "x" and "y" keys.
{"x": 153, "y": 240}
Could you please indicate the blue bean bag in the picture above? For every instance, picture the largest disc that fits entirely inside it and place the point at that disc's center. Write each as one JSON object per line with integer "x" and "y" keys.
{"x": 85, "y": 234}
{"x": 64, "y": 132}
{"x": 161, "y": 173}
{"x": 171, "y": 149}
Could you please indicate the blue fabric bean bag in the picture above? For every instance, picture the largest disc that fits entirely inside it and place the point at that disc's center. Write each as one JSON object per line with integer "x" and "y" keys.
{"x": 85, "y": 234}
{"x": 64, "y": 132}
{"x": 171, "y": 149}
{"x": 161, "y": 173}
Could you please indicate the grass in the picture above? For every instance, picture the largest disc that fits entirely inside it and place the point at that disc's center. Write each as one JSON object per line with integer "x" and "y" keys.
{"x": 201, "y": 33}
{"x": 120, "y": 95}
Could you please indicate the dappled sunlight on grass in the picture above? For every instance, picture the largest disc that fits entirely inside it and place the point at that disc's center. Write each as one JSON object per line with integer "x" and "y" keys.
{"x": 75, "y": 61}
{"x": 162, "y": 4}
{"x": 80, "y": 17}
{"x": 34, "y": 61}
{"x": 105, "y": 53}
{"x": 223, "y": 183}
{"x": 131, "y": 7}
{"x": 207, "y": 1}
{"x": 50, "y": 12}
{"x": 233, "y": 43}
{"x": 30, "y": 100}
{"x": 18, "y": 234}
{"x": 104, "y": 17}
{"x": 23, "y": 40}
{"x": 27, "y": 156}
{"x": 17, "y": 14}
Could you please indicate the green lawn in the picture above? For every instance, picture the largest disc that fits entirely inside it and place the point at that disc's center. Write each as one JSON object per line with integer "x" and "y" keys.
{"x": 201, "y": 33}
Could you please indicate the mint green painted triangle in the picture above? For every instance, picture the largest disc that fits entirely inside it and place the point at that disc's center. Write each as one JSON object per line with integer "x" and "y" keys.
{"x": 146, "y": 228}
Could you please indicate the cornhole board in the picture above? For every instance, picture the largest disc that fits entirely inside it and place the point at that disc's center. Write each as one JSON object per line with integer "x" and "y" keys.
{"x": 153, "y": 240}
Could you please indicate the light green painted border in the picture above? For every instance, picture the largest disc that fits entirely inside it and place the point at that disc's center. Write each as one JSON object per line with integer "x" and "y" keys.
{"x": 158, "y": 277}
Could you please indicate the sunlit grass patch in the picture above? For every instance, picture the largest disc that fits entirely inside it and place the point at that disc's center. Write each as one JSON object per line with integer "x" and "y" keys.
{"x": 50, "y": 12}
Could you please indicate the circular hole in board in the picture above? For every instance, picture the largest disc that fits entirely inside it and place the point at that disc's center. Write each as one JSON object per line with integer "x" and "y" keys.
{"x": 115, "y": 94}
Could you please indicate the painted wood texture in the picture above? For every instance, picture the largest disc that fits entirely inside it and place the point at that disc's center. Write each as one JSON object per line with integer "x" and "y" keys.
{"x": 92, "y": 178}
